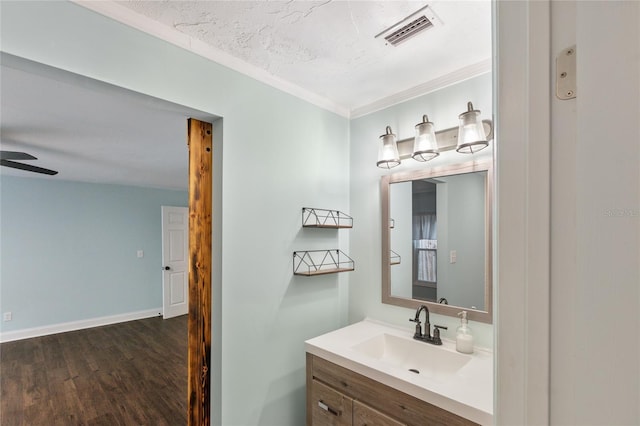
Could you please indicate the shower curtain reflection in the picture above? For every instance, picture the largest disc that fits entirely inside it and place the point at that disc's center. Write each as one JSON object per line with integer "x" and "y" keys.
{"x": 425, "y": 247}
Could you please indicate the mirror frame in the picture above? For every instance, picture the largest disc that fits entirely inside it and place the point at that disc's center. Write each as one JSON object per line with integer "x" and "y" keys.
{"x": 486, "y": 315}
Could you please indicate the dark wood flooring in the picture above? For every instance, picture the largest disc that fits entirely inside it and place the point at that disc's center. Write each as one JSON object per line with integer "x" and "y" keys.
{"x": 133, "y": 373}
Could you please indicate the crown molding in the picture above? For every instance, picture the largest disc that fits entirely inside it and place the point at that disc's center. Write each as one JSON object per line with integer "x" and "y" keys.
{"x": 454, "y": 77}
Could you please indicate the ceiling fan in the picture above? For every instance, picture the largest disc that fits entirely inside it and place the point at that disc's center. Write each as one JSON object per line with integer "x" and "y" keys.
{"x": 7, "y": 157}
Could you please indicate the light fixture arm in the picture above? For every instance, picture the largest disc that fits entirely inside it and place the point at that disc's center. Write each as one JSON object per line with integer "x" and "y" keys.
{"x": 470, "y": 107}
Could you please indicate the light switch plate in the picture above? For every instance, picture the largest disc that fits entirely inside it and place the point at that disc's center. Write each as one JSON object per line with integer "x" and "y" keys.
{"x": 140, "y": 253}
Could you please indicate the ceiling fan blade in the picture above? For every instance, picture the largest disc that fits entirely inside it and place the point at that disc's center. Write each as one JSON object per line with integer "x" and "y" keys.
{"x": 27, "y": 167}
{"x": 15, "y": 155}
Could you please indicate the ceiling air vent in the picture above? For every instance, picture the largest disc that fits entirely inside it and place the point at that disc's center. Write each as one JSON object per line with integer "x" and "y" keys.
{"x": 420, "y": 20}
{"x": 409, "y": 30}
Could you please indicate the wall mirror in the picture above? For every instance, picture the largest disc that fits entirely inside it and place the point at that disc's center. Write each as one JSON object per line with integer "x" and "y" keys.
{"x": 437, "y": 239}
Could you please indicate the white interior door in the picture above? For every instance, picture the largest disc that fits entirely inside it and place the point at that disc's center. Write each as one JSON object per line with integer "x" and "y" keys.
{"x": 175, "y": 252}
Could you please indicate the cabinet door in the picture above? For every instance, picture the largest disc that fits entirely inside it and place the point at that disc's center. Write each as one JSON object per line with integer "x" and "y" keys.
{"x": 329, "y": 407}
{"x": 363, "y": 415}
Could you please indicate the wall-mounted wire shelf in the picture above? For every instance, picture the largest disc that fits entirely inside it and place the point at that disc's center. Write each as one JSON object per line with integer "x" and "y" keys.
{"x": 394, "y": 258}
{"x": 322, "y": 218}
{"x": 320, "y": 262}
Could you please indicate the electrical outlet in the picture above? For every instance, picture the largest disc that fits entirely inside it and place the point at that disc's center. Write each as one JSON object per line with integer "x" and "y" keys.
{"x": 7, "y": 316}
{"x": 140, "y": 254}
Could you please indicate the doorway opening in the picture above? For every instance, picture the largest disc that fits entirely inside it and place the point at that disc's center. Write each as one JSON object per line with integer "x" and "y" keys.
{"x": 100, "y": 157}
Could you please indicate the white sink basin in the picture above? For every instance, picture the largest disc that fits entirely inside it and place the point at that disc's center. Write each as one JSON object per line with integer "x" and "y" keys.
{"x": 411, "y": 355}
{"x": 459, "y": 383}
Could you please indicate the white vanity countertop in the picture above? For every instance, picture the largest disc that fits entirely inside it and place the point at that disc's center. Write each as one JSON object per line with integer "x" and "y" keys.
{"x": 467, "y": 393}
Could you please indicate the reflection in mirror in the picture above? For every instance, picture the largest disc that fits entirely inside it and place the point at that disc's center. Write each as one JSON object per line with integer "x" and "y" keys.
{"x": 440, "y": 244}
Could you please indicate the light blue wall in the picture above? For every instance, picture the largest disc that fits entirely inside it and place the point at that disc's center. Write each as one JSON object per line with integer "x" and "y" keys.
{"x": 280, "y": 154}
{"x": 69, "y": 250}
{"x": 443, "y": 108}
{"x": 401, "y": 238}
{"x": 461, "y": 201}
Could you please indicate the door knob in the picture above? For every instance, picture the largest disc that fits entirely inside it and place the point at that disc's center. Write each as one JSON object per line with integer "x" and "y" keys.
{"x": 167, "y": 268}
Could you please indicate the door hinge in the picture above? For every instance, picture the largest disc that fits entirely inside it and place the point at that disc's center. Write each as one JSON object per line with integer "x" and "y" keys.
{"x": 566, "y": 74}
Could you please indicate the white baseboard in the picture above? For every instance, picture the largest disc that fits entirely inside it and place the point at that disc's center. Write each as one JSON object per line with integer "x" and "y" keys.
{"x": 28, "y": 333}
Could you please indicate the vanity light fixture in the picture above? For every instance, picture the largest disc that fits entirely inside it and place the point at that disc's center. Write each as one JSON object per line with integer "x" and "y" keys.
{"x": 471, "y": 136}
{"x": 388, "y": 156}
{"x": 425, "y": 146}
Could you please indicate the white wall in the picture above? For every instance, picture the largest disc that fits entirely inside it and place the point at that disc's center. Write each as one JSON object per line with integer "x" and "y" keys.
{"x": 521, "y": 351}
{"x": 595, "y": 234}
{"x": 280, "y": 154}
{"x": 443, "y": 108}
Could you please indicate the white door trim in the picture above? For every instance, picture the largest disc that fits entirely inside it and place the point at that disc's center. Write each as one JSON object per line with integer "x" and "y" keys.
{"x": 522, "y": 84}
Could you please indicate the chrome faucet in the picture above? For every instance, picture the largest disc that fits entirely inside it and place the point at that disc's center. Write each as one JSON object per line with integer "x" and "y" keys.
{"x": 426, "y": 336}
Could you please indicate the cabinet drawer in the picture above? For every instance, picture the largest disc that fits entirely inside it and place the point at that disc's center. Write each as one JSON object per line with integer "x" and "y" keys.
{"x": 398, "y": 405}
{"x": 329, "y": 407}
{"x": 364, "y": 415}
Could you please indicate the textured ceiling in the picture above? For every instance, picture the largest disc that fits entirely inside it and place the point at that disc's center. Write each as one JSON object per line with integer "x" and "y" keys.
{"x": 329, "y": 47}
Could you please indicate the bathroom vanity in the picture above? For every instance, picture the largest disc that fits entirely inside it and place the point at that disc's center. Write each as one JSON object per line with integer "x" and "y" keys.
{"x": 371, "y": 373}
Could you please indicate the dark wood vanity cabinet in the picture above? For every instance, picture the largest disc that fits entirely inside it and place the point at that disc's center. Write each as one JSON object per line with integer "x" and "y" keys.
{"x": 338, "y": 396}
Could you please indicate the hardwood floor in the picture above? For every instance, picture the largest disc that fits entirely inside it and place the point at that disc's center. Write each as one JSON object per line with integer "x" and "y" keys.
{"x": 133, "y": 373}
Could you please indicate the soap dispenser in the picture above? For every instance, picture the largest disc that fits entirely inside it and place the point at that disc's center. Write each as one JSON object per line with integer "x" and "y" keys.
{"x": 464, "y": 338}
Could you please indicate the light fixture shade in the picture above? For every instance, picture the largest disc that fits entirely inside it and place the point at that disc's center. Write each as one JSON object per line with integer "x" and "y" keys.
{"x": 388, "y": 156}
{"x": 471, "y": 135}
{"x": 425, "y": 146}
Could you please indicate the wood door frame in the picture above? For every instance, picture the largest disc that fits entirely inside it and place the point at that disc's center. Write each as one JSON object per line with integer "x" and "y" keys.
{"x": 200, "y": 141}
